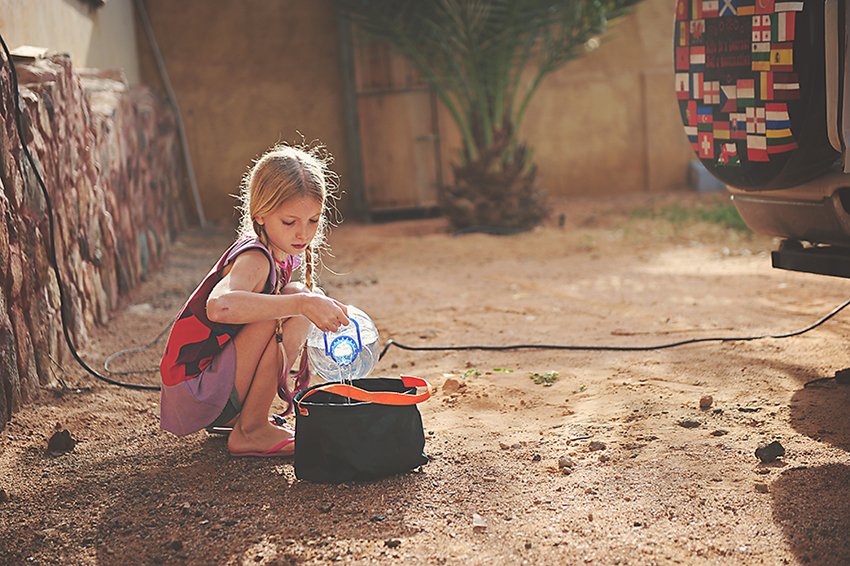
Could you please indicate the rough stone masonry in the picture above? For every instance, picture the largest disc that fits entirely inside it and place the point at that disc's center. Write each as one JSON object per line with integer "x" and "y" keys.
{"x": 111, "y": 161}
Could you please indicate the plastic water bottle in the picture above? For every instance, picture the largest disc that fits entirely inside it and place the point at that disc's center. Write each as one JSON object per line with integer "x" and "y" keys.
{"x": 350, "y": 353}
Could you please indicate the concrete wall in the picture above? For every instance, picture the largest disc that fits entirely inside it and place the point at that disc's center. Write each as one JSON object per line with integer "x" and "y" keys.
{"x": 247, "y": 75}
{"x": 102, "y": 38}
{"x": 609, "y": 123}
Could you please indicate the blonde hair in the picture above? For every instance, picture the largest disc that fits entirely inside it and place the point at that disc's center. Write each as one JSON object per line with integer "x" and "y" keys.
{"x": 281, "y": 174}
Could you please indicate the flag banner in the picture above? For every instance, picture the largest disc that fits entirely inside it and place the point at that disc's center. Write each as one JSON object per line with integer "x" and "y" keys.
{"x": 698, "y": 58}
{"x": 721, "y": 131}
{"x": 757, "y": 148}
{"x": 684, "y": 33}
{"x": 706, "y": 145}
{"x": 693, "y": 137}
{"x": 696, "y": 9}
{"x": 786, "y": 86}
{"x": 729, "y": 155}
{"x": 766, "y": 86}
{"x": 789, "y": 7}
{"x": 746, "y": 91}
{"x": 761, "y": 29}
{"x": 696, "y": 86}
{"x": 782, "y": 57}
{"x": 738, "y": 126}
{"x": 761, "y": 56}
{"x": 705, "y": 119}
{"x": 755, "y": 120}
{"x": 697, "y": 32}
{"x": 728, "y": 8}
{"x": 692, "y": 113}
{"x": 746, "y": 7}
{"x": 712, "y": 92}
{"x": 683, "y": 59}
{"x": 764, "y": 6}
{"x": 782, "y": 27}
{"x": 728, "y": 98}
{"x": 683, "y": 86}
{"x": 681, "y": 10}
{"x": 709, "y": 8}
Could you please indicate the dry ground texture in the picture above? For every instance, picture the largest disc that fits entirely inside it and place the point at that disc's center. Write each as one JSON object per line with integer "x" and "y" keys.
{"x": 611, "y": 461}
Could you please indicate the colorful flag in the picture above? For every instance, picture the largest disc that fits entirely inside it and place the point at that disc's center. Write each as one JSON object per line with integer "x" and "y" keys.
{"x": 755, "y": 120}
{"x": 681, "y": 9}
{"x": 761, "y": 56}
{"x": 728, "y": 98}
{"x": 766, "y": 90}
{"x": 738, "y": 126}
{"x": 782, "y": 27}
{"x": 786, "y": 86}
{"x": 757, "y": 148}
{"x": 746, "y": 92}
{"x": 698, "y": 58}
{"x": 692, "y": 112}
{"x": 781, "y": 57}
{"x": 728, "y": 8}
{"x": 693, "y": 137}
{"x": 729, "y": 155}
{"x": 697, "y": 32}
{"x": 721, "y": 131}
{"x": 705, "y": 119}
{"x": 696, "y": 9}
{"x": 697, "y": 92}
{"x": 709, "y": 8}
{"x": 761, "y": 29}
{"x": 706, "y": 145}
{"x": 684, "y": 33}
{"x": 789, "y": 6}
{"x": 683, "y": 59}
{"x": 712, "y": 92}
{"x": 746, "y": 7}
{"x": 683, "y": 86}
{"x": 779, "y": 136}
{"x": 764, "y": 6}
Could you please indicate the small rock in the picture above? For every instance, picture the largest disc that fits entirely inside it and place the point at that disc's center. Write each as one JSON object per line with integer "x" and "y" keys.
{"x": 719, "y": 432}
{"x": 528, "y": 545}
{"x": 60, "y": 443}
{"x": 761, "y": 487}
{"x": 479, "y": 525}
{"x": 326, "y": 507}
{"x": 392, "y": 543}
{"x": 770, "y": 452}
{"x": 504, "y": 446}
{"x": 706, "y": 401}
{"x": 689, "y": 423}
{"x": 4, "y": 497}
{"x": 451, "y": 385}
{"x": 603, "y": 458}
{"x": 175, "y": 544}
{"x": 536, "y": 458}
{"x": 596, "y": 445}
{"x": 378, "y": 518}
{"x": 565, "y": 462}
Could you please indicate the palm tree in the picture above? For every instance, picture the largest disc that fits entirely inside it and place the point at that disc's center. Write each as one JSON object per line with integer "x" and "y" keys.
{"x": 485, "y": 60}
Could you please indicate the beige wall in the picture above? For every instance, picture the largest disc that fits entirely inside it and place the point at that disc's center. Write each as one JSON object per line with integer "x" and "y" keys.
{"x": 247, "y": 75}
{"x": 102, "y": 37}
{"x": 609, "y": 123}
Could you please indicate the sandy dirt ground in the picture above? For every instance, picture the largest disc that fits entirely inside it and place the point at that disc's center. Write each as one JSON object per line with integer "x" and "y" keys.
{"x": 537, "y": 456}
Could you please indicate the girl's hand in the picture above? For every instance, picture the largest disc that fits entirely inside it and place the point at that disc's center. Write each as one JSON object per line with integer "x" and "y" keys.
{"x": 326, "y": 313}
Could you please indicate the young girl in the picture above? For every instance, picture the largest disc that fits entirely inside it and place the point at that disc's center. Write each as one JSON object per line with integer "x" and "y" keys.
{"x": 233, "y": 343}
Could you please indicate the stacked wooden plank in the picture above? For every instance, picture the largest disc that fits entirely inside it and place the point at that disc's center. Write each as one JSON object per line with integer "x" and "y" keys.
{"x": 111, "y": 163}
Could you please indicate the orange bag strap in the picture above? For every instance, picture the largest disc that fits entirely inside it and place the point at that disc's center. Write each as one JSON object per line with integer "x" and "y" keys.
{"x": 380, "y": 397}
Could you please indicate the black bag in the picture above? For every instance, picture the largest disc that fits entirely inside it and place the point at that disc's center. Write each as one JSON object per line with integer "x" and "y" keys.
{"x": 364, "y": 430}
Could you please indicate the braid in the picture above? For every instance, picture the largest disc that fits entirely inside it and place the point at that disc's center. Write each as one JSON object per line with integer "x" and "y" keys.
{"x": 309, "y": 264}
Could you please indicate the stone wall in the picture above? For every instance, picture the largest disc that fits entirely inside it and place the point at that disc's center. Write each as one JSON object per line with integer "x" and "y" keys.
{"x": 111, "y": 161}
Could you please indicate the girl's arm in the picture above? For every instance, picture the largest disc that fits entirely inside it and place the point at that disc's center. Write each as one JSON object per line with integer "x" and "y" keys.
{"x": 237, "y": 298}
